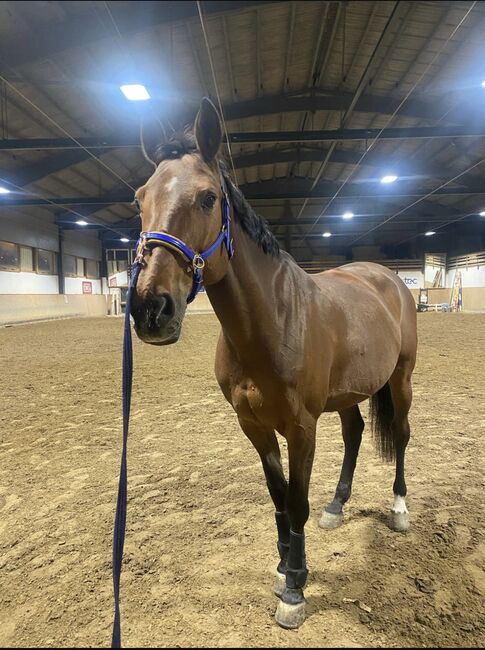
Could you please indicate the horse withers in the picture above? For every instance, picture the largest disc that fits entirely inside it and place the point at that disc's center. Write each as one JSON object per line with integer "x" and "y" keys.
{"x": 292, "y": 345}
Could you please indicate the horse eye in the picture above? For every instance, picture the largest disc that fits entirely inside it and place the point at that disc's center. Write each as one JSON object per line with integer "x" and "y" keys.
{"x": 208, "y": 201}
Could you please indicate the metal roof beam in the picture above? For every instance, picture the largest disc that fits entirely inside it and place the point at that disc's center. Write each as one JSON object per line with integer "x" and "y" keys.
{"x": 247, "y": 137}
{"x": 330, "y": 100}
{"x": 134, "y": 222}
{"x": 67, "y": 158}
{"x": 265, "y": 190}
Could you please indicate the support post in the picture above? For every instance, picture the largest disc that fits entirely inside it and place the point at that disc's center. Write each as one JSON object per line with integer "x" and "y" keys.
{"x": 60, "y": 265}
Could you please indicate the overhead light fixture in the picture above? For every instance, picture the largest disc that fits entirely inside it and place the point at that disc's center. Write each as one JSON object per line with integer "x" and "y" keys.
{"x": 327, "y": 234}
{"x": 124, "y": 240}
{"x": 390, "y": 178}
{"x": 81, "y": 222}
{"x": 347, "y": 215}
{"x": 429, "y": 233}
{"x": 135, "y": 92}
{"x": 3, "y": 190}
{"x": 482, "y": 213}
{"x": 483, "y": 84}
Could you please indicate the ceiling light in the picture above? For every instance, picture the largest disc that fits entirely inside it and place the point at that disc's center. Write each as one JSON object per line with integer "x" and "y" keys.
{"x": 483, "y": 84}
{"x": 3, "y": 190}
{"x": 347, "y": 215}
{"x": 135, "y": 92}
{"x": 429, "y": 233}
{"x": 327, "y": 234}
{"x": 482, "y": 213}
{"x": 124, "y": 239}
{"x": 390, "y": 178}
{"x": 81, "y": 222}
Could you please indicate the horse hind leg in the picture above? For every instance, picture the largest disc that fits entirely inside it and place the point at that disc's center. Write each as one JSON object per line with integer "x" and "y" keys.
{"x": 389, "y": 417}
{"x": 401, "y": 392}
{"x": 352, "y": 428}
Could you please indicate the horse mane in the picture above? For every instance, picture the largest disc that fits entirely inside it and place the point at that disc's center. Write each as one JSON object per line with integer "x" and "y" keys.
{"x": 182, "y": 143}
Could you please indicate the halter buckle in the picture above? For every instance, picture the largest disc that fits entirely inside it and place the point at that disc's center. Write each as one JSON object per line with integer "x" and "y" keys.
{"x": 198, "y": 262}
{"x": 140, "y": 251}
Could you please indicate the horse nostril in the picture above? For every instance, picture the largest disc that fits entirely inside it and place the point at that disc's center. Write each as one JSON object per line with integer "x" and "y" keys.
{"x": 165, "y": 308}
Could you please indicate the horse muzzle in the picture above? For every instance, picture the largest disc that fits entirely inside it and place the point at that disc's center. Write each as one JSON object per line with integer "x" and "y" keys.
{"x": 158, "y": 319}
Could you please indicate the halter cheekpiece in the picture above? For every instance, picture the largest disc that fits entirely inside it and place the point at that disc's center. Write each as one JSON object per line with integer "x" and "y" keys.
{"x": 148, "y": 240}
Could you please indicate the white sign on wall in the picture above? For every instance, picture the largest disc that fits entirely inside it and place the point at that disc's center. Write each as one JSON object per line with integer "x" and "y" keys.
{"x": 412, "y": 279}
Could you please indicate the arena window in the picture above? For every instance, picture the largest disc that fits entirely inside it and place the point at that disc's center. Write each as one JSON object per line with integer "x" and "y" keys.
{"x": 26, "y": 259}
{"x": 9, "y": 256}
{"x": 69, "y": 266}
{"x": 92, "y": 269}
{"x": 80, "y": 267}
{"x": 45, "y": 262}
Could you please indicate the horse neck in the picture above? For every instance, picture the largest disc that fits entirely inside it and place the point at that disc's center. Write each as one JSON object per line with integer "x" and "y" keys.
{"x": 246, "y": 301}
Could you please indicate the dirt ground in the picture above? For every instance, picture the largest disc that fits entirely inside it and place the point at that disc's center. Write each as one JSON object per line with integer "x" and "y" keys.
{"x": 200, "y": 548}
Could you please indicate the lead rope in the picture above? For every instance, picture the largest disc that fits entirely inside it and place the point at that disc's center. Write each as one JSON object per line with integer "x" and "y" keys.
{"x": 120, "y": 519}
{"x": 164, "y": 239}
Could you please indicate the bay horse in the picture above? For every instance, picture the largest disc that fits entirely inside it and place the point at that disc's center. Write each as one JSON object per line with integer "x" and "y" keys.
{"x": 292, "y": 345}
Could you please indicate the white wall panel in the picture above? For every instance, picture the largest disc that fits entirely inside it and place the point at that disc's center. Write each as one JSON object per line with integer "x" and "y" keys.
{"x": 75, "y": 285}
{"x": 27, "y": 283}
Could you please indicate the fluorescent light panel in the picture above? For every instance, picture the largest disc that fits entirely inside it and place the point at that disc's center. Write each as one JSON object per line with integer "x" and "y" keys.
{"x": 3, "y": 190}
{"x": 347, "y": 215}
{"x": 429, "y": 233}
{"x": 81, "y": 222}
{"x": 327, "y": 234}
{"x": 389, "y": 178}
{"x": 135, "y": 92}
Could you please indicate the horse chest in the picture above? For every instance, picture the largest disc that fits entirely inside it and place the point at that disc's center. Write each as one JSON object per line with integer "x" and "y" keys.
{"x": 249, "y": 402}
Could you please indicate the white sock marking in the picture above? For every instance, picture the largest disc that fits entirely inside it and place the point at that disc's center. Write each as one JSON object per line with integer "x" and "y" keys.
{"x": 399, "y": 505}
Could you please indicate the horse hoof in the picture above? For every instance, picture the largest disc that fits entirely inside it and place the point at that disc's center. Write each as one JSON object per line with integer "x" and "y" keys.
{"x": 290, "y": 616}
{"x": 328, "y": 520}
{"x": 399, "y": 521}
{"x": 279, "y": 584}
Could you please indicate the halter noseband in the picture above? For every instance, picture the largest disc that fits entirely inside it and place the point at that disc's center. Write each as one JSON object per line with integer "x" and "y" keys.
{"x": 149, "y": 240}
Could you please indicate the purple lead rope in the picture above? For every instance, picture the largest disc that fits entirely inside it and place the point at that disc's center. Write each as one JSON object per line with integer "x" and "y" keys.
{"x": 120, "y": 519}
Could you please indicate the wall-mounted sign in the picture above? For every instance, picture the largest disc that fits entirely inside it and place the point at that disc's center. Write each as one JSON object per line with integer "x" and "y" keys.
{"x": 87, "y": 287}
{"x": 119, "y": 279}
{"x": 413, "y": 282}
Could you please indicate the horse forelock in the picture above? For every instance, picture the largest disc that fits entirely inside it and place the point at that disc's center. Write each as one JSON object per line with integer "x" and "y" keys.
{"x": 182, "y": 143}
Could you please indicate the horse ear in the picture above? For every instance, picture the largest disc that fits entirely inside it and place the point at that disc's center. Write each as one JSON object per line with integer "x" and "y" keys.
{"x": 152, "y": 135}
{"x": 208, "y": 130}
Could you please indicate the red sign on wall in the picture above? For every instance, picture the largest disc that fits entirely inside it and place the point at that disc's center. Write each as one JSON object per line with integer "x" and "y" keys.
{"x": 87, "y": 287}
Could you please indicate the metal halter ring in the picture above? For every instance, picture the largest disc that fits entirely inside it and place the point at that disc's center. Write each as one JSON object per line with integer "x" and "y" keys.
{"x": 198, "y": 262}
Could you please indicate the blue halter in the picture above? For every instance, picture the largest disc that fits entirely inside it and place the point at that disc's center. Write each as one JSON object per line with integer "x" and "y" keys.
{"x": 196, "y": 260}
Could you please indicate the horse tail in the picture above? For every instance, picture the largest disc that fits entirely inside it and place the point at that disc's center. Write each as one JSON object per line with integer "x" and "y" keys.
{"x": 381, "y": 413}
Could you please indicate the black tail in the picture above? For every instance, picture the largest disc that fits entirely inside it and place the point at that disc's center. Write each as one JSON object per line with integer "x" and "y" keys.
{"x": 381, "y": 414}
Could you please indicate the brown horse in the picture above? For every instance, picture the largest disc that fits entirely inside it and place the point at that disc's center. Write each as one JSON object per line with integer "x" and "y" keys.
{"x": 292, "y": 345}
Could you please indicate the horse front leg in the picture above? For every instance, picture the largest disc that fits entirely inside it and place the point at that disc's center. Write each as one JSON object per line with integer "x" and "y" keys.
{"x": 266, "y": 444}
{"x": 301, "y": 451}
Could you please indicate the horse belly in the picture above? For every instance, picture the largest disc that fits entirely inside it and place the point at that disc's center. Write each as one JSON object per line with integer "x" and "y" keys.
{"x": 366, "y": 366}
